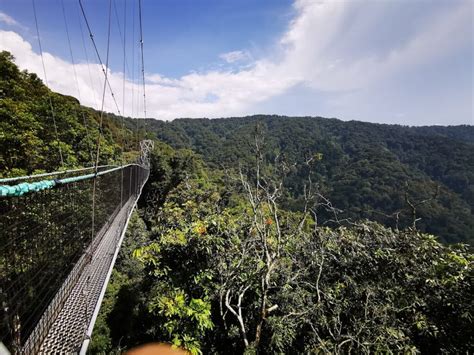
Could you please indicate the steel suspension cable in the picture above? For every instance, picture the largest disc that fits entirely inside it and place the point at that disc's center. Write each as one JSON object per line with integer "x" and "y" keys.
{"x": 123, "y": 88}
{"x": 75, "y": 76}
{"x": 104, "y": 69}
{"x": 104, "y": 87}
{"x": 101, "y": 117}
{"x": 87, "y": 58}
{"x": 122, "y": 36}
{"x": 133, "y": 74}
{"x": 46, "y": 82}
{"x": 143, "y": 61}
{"x": 139, "y": 102}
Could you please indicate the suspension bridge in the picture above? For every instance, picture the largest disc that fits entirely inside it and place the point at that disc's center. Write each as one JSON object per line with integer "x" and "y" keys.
{"x": 59, "y": 240}
{"x": 60, "y": 232}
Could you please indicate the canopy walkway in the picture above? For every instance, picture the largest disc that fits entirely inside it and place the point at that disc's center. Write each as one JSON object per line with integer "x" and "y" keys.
{"x": 60, "y": 232}
{"x": 59, "y": 240}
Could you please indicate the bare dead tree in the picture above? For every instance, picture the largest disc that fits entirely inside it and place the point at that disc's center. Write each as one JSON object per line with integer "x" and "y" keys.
{"x": 395, "y": 216}
{"x": 412, "y": 205}
{"x": 262, "y": 195}
{"x": 237, "y": 311}
{"x": 266, "y": 244}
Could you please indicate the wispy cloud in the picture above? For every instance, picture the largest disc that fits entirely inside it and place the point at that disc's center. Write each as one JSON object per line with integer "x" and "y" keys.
{"x": 8, "y": 19}
{"x": 329, "y": 46}
{"x": 235, "y": 56}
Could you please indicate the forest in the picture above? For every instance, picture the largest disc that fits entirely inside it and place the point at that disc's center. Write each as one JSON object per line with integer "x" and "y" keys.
{"x": 367, "y": 171}
{"x": 271, "y": 234}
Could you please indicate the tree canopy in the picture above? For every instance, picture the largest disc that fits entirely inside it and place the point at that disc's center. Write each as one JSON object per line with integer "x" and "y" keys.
{"x": 32, "y": 135}
{"x": 367, "y": 170}
{"x": 218, "y": 267}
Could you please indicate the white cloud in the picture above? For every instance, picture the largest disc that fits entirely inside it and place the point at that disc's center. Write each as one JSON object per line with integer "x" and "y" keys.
{"x": 11, "y": 22}
{"x": 8, "y": 19}
{"x": 235, "y": 56}
{"x": 312, "y": 52}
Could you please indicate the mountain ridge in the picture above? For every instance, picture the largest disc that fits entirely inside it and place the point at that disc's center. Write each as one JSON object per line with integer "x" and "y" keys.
{"x": 370, "y": 162}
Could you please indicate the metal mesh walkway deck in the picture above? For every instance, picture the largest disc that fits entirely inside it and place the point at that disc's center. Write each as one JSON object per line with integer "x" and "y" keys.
{"x": 69, "y": 329}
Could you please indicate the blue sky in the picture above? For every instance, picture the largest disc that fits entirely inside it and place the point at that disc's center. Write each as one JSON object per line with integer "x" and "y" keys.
{"x": 389, "y": 61}
{"x": 181, "y": 35}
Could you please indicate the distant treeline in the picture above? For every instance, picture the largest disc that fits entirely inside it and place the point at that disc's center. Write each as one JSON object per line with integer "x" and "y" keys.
{"x": 367, "y": 170}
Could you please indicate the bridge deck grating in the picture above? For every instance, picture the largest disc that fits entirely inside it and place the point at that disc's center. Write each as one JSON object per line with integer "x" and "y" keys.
{"x": 68, "y": 330}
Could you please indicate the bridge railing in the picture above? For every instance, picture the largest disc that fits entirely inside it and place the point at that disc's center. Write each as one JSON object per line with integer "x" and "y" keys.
{"x": 48, "y": 230}
{"x": 54, "y": 175}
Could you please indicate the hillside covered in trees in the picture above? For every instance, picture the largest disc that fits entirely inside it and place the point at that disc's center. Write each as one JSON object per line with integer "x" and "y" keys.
{"x": 35, "y": 139}
{"x": 374, "y": 171}
{"x": 271, "y": 234}
{"x": 212, "y": 263}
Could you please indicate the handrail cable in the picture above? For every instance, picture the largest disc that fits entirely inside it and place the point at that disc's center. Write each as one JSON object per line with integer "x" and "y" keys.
{"x": 28, "y": 187}
{"x": 46, "y": 82}
{"x": 26, "y": 177}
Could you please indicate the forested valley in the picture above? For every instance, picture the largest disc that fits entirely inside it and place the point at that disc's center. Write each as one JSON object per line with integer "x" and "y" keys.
{"x": 365, "y": 170}
{"x": 270, "y": 234}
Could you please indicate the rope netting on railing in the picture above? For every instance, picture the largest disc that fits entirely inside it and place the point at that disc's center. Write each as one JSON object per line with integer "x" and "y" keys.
{"x": 48, "y": 229}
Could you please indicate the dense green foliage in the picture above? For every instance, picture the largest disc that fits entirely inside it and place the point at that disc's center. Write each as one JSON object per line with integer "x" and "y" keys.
{"x": 212, "y": 264}
{"x": 28, "y": 139}
{"x": 235, "y": 249}
{"x": 368, "y": 170}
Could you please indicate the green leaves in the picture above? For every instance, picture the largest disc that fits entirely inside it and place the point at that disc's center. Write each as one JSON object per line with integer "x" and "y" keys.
{"x": 363, "y": 288}
{"x": 360, "y": 167}
{"x": 148, "y": 254}
{"x": 184, "y": 319}
{"x": 28, "y": 139}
